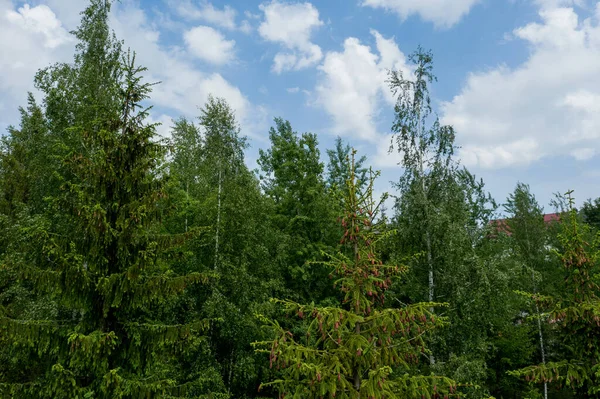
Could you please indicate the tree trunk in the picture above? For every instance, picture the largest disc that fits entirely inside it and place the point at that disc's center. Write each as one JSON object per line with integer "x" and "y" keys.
{"x": 541, "y": 335}
{"x": 537, "y": 310}
{"x": 356, "y": 371}
{"x": 542, "y": 348}
{"x": 230, "y": 369}
{"x": 431, "y": 281}
{"x": 218, "y": 216}
{"x": 187, "y": 199}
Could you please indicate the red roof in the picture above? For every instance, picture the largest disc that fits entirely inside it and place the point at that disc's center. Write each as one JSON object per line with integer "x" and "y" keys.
{"x": 501, "y": 225}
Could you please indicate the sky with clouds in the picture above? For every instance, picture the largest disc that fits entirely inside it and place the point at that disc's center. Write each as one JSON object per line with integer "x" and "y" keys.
{"x": 518, "y": 79}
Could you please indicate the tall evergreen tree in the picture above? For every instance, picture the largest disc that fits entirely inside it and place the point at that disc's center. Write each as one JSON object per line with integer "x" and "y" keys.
{"x": 77, "y": 93}
{"x": 102, "y": 260}
{"x": 360, "y": 349}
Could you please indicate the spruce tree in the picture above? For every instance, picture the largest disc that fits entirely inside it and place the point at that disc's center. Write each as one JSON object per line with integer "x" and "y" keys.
{"x": 102, "y": 260}
{"x": 360, "y": 349}
{"x": 575, "y": 315}
{"x": 25, "y": 154}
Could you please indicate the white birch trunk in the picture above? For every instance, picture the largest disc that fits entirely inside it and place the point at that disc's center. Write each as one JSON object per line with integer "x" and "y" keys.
{"x": 218, "y": 216}
{"x": 431, "y": 282}
{"x": 537, "y": 313}
{"x": 187, "y": 198}
{"x": 541, "y": 335}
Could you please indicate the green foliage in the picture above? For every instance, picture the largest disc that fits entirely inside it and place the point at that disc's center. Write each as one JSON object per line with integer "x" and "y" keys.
{"x": 304, "y": 211}
{"x": 591, "y": 213}
{"x": 575, "y": 315}
{"x": 338, "y": 167}
{"x": 133, "y": 266}
{"x": 440, "y": 214}
{"x": 102, "y": 264}
{"x": 211, "y": 185}
{"x": 359, "y": 349}
{"x": 24, "y": 158}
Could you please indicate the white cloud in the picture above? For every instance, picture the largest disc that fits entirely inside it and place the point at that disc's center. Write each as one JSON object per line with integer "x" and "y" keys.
{"x": 293, "y": 89}
{"x": 443, "y": 13}
{"x": 224, "y": 18}
{"x": 39, "y": 20}
{"x": 291, "y": 25}
{"x": 251, "y": 15}
{"x": 559, "y": 3}
{"x": 183, "y": 86}
{"x": 547, "y": 106}
{"x": 583, "y": 154}
{"x": 383, "y": 157}
{"x": 38, "y": 39}
{"x": 245, "y": 27}
{"x": 209, "y": 45}
{"x": 353, "y": 88}
{"x": 32, "y": 38}
{"x": 164, "y": 124}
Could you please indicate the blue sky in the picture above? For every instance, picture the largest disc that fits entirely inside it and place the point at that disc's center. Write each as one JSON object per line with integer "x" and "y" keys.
{"x": 518, "y": 79}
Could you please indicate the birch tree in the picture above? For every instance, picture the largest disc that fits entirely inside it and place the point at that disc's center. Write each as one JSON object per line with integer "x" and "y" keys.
{"x": 440, "y": 213}
{"x": 222, "y": 153}
{"x": 529, "y": 235}
{"x": 427, "y": 148}
{"x": 574, "y": 315}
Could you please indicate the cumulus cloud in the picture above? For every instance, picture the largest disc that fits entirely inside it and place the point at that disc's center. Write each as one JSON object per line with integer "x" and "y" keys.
{"x": 207, "y": 12}
{"x": 38, "y": 38}
{"x": 547, "y": 106}
{"x": 164, "y": 124}
{"x": 32, "y": 38}
{"x": 443, "y": 13}
{"x": 559, "y": 3}
{"x": 245, "y": 27}
{"x": 183, "y": 85}
{"x": 352, "y": 86}
{"x": 291, "y": 25}
{"x": 209, "y": 45}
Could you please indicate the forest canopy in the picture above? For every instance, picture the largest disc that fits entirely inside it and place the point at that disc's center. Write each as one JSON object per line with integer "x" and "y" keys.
{"x": 138, "y": 266}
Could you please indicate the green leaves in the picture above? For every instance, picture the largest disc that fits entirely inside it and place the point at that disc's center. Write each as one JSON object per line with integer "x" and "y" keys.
{"x": 575, "y": 315}
{"x": 359, "y": 349}
{"x": 304, "y": 210}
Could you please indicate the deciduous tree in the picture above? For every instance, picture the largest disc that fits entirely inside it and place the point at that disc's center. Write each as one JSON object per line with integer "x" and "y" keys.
{"x": 360, "y": 349}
